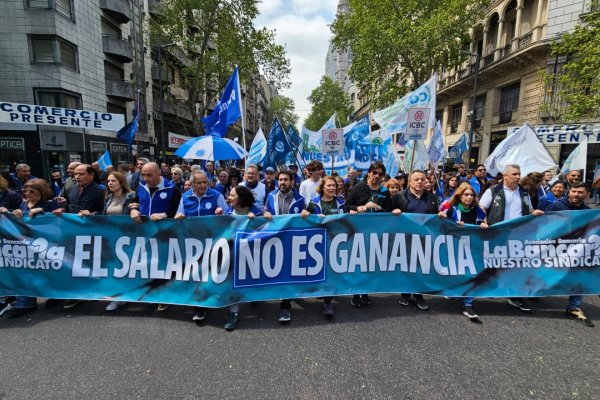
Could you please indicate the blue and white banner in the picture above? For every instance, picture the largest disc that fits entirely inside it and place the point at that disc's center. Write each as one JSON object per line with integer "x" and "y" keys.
{"x": 393, "y": 119}
{"x": 17, "y": 113}
{"x": 220, "y": 260}
{"x": 436, "y": 149}
{"x": 104, "y": 161}
{"x": 258, "y": 149}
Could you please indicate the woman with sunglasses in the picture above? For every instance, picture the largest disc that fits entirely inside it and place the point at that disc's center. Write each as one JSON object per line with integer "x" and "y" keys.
{"x": 463, "y": 209}
{"x": 37, "y": 199}
{"x": 177, "y": 178}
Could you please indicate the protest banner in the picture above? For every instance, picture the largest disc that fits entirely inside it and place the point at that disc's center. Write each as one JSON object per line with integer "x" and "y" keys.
{"x": 218, "y": 260}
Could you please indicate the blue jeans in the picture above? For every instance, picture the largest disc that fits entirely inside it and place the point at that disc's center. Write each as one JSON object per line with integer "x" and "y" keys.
{"x": 467, "y": 301}
{"x": 26, "y": 302}
{"x": 575, "y": 302}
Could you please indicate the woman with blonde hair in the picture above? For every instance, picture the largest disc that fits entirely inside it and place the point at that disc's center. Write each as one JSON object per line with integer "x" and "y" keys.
{"x": 462, "y": 208}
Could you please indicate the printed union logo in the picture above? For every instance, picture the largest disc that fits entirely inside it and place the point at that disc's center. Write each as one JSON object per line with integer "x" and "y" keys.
{"x": 200, "y": 152}
{"x": 419, "y": 115}
{"x": 332, "y": 135}
{"x": 163, "y": 195}
{"x": 208, "y": 206}
{"x": 279, "y": 147}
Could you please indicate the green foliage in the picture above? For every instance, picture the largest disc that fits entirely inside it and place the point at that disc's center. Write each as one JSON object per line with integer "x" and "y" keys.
{"x": 213, "y": 36}
{"x": 327, "y": 98}
{"x": 398, "y": 44}
{"x": 574, "y": 89}
{"x": 284, "y": 108}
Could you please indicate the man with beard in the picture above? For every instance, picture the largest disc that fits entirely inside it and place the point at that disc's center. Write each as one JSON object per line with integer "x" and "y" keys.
{"x": 574, "y": 201}
{"x": 285, "y": 200}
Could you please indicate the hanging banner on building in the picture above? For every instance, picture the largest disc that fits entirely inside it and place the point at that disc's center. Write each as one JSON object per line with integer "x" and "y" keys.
{"x": 17, "y": 113}
{"x": 175, "y": 140}
{"x": 216, "y": 261}
{"x": 564, "y": 134}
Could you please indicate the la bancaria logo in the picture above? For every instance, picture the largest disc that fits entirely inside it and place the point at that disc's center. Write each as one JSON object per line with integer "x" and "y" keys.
{"x": 27, "y": 254}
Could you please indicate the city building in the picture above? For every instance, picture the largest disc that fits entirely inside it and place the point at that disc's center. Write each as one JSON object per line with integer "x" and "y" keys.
{"x": 85, "y": 54}
{"x": 512, "y": 46}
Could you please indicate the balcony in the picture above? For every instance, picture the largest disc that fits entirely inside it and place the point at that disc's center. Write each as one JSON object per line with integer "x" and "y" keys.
{"x": 487, "y": 60}
{"x": 122, "y": 90}
{"x": 166, "y": 74}
{"x": 525, "y": 40}
{"x": 117, "y": 48}
{"x": 118, "y": 10}
{"x": 505, "y": 51}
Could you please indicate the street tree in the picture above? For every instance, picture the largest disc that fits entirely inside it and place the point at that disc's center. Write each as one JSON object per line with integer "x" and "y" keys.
{"x": 328, "y": 98}
{"x": 284, "y": 108}
{"x": 573, "y": 88}
{"x": 397, "y": 44}
{"x": 211, "y": 37}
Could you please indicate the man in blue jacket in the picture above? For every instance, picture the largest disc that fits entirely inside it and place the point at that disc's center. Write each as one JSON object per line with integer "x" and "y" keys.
{"x": 285, "y": 200}
{"x": 159, "y": 199}
{"x": 198, "y": 202}
{"x": 578, "y": 192}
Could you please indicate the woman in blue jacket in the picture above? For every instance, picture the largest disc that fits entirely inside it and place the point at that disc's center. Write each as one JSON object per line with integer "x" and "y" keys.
{"x": 463, "y": 209}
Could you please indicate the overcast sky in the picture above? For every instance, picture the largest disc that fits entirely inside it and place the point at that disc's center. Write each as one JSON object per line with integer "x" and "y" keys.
{"x": 303, "y": 27}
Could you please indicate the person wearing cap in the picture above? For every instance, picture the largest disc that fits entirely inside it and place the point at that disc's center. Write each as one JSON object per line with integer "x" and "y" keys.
{"x": 269, "y": 181}
{"x": 297, "y": 178}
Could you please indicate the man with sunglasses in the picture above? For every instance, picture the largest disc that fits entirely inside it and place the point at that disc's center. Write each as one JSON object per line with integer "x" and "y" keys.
{"x": 368, "y": 196}
{"x": 478, "y": 181}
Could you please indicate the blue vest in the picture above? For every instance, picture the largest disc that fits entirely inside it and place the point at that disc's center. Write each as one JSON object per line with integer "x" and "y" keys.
{"x": 206, "y": 205}
{"x": 160, "y": 202}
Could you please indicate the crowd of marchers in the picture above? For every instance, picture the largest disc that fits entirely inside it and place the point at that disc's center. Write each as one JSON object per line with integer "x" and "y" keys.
{"x": 150, "y": 192}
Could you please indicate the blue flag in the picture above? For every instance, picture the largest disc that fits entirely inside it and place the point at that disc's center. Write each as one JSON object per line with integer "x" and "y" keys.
{"x": 294, "y": 137}
{"x": 277, "y": 146}
{"x": 436, "y": 146}
{"x": 457, "y": 150}
{"x": 104, "y": 161}
{"x": 228, "y": 109}
{"x": 127, "y": 133}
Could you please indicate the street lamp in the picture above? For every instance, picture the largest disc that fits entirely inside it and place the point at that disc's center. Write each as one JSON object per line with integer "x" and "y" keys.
{"x": 163, "y": 152}
{"x": 471, "y": 131}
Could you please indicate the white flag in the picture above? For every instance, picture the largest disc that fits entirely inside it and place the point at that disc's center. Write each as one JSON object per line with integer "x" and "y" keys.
{"x": 393, "y": 119}
{"x": 258, "y": 150}
{"x": 577, "y": 159}
{"x": 417, "y": 158}
{"x": 522, "y": 148}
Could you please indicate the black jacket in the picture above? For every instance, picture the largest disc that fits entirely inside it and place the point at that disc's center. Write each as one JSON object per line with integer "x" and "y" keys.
{"x": 361, "y": 194}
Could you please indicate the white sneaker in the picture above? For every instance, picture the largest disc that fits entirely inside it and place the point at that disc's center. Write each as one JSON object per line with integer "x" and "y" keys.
{"x": 7, "y": 308}
{"x": 113, "y": 305}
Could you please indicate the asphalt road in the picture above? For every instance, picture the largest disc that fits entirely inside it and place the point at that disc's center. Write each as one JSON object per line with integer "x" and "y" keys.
{"x": 384, "y": 351}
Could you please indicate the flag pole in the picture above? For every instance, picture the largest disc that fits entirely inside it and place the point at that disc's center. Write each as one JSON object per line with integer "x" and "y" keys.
{"x": 243, "y": 116}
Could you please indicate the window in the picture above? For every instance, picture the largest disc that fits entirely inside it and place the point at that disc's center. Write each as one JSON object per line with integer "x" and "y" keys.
{"x": 509, "y": 98}
{"x": 479, "y": 107}
{"x": 63, "y": 7}
{"x": 110, "y": 29}
{"x": 58, "y": 98}
{"x": 456, "y": 116}
{"x": 53, "y": 50}
{"x": 112, "y": 72}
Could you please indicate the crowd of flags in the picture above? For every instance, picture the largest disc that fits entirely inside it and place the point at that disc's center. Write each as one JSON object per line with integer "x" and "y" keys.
{"x": 284, "y": 146}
